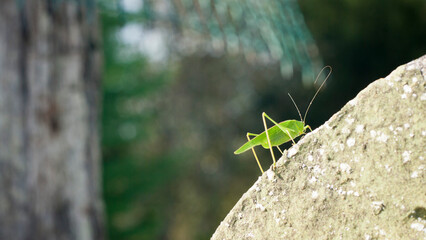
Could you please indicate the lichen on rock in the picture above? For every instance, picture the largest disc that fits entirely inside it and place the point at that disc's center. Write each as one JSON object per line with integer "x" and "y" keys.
{"x": 361, "y": 175}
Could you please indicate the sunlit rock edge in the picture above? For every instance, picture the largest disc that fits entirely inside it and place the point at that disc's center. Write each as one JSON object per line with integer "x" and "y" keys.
{"x": 361, "y": 175}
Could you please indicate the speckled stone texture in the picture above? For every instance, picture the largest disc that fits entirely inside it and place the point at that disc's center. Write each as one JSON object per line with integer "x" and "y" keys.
{"x": 361, "y": 175}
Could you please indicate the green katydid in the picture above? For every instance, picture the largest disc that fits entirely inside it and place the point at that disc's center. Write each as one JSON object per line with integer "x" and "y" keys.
{"x": 281, "y": 132}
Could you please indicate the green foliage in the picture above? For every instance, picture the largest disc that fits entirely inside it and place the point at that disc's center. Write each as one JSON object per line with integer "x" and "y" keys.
{"x": 135, "y": 177}
{"x": 275, "y": 29}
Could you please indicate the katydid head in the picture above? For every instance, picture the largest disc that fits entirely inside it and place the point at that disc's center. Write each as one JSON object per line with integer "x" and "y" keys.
{"x": 300, "y": 127}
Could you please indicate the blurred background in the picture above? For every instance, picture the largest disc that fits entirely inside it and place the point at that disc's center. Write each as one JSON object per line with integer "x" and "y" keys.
{"x": 184, "y": 80}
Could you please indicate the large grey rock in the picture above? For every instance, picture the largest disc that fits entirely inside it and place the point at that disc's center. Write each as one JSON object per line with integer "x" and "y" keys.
{"x": 361, "y": 175}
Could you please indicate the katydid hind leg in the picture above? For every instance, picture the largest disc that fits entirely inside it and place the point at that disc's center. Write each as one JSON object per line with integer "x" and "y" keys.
{"x": 267, "y": 137}
{"x": 254, "y": 152}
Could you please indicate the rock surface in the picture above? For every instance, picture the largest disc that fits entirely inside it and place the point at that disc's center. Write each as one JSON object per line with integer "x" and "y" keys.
{"x": 361, "y": 175}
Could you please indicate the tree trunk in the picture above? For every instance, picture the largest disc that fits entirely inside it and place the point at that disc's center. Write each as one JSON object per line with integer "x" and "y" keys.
{"x": 49, "y": 144}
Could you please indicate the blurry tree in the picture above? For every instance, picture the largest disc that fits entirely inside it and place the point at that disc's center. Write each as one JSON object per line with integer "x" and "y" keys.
{"x": 49, "y": 146}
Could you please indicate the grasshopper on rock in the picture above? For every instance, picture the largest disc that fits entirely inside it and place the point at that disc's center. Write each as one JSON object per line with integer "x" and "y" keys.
{"x": 281, "y": 132}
